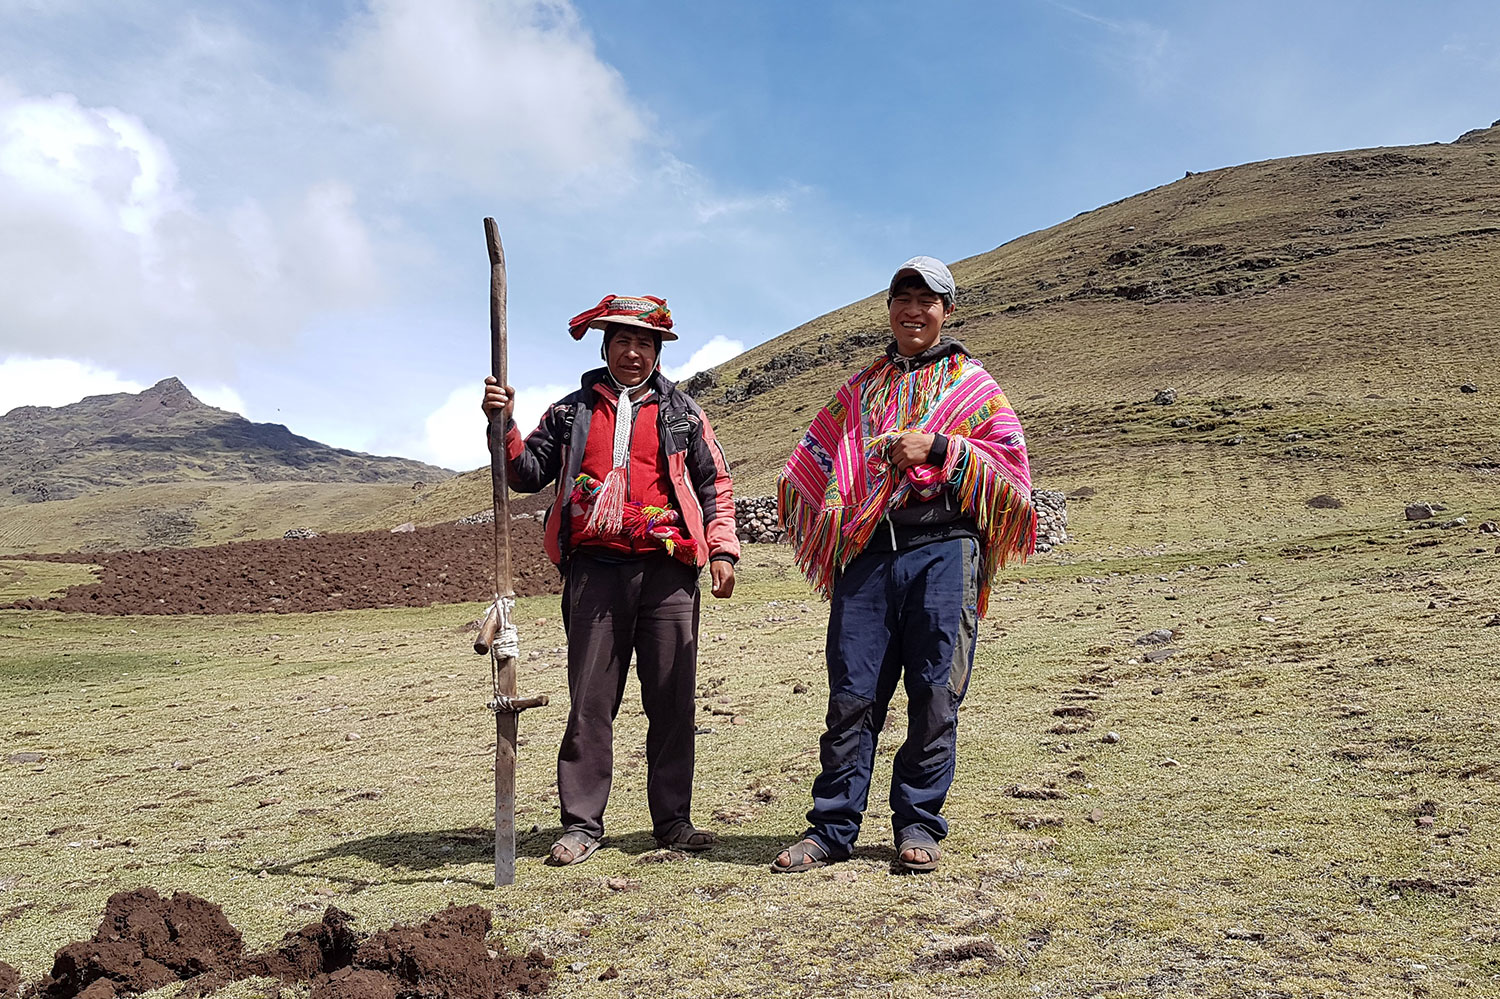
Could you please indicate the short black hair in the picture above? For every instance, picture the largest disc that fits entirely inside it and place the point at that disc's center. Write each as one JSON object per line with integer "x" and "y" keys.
{"x": 914, "y": 282}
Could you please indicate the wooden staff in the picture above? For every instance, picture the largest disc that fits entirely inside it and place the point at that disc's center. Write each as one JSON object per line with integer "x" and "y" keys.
{"x": 497, "y": 635}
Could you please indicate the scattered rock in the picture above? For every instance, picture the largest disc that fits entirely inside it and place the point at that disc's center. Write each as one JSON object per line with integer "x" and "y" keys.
{"x": 1160, "y": 636}
{"x": 300, "y": 534}
{"x": 26, "y": 758}
{"x": 1159, "y": 655}
{"x": 1323, "y": 501}
{"x": 351, "y": 737}
{"x": 1169, "y": 762}
{"x": 406, "y": 528}
{"x": 1419, "y": 511}
{"x": 267, "y": 802}
{"x": 1182, "y": 421}
{"x": 609, "y": 973}
{"x": 1096, "y": 816}
{"x": 1111, "y": 737}
{"x": 1425, "y": 822}
{"x": 661, "y": 857}
{"x": 1468, "y": 387}
{"x": 1240, "y": 933}
{"x": 621, "y": 884}
{"x": 1489, "y": 527}
{"x": 1266, "y": 619}
{"x": 1165, "y": 397}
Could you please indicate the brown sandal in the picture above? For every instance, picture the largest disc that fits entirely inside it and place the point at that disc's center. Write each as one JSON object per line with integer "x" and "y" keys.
{"x": 573, "y": 847}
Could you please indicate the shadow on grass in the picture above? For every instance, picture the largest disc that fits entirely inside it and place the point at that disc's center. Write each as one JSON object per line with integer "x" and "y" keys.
{"x": 439, "y": 855}
{"x": 436, "y": 853}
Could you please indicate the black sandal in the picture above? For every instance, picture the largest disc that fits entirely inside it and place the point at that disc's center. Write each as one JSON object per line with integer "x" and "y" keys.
{"x": 688, "y": 838}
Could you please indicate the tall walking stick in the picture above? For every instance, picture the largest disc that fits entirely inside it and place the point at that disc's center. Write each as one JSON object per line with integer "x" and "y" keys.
{"x": 497, "y": 635}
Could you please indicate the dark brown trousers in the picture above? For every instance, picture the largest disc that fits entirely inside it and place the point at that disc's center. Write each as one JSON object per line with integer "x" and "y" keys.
{"x": 648, "y": 606}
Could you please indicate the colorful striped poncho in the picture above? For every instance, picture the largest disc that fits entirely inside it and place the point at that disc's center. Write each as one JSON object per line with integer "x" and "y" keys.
{"x": 839, "y": 482}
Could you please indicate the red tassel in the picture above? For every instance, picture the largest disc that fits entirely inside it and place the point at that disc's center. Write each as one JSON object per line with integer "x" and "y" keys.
{"x": 609, "y": 504}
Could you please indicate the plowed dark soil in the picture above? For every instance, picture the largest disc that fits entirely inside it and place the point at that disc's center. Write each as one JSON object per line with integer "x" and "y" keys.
{"x": 445, "y": 564}
{"x": 146, "y": 942}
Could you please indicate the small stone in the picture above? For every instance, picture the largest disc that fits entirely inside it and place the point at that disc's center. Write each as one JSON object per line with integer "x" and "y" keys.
{"x": 1110, "y": 737}
{"x": 1158, "y": 637}
{"x": 1169, "y": 762}
{"x": 609, "y": 973}
{"x": 1155, "y": 691}
{"x": 1268, "y": 619}
{"x": 1165, "y": 397}
{"x": 1468, "y": 388}
{"x": 576, "y": 967}
{"x": 619, "y": 884}
{"x": 351, "y": 737}
{"x": 1182, "y": 421}
{"x": 406, "y": 528}
{"x": 268, "y": 802}
{"x": 1096, "y": 816}
{"x": 799, "y": 688}
{"x": 1425, "y": 821}
{"x": 1489, "y": 527}
{"x": 845, "y": 875}
{"x": 25, "y": 758}
{"x": 1419, "y": 511}
{"x": 739, "y": 720}
{"x": 1158, "y": 655}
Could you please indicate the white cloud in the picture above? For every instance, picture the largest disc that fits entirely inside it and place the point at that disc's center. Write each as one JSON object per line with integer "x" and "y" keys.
{"x": 454, "y": 432}
{"x": 508, "y": 92}
{"x": 222, "y": 397}
{"x": 55, "y": 381}
{"x": 105, "y": 254}
{"x": 710, "y": 355}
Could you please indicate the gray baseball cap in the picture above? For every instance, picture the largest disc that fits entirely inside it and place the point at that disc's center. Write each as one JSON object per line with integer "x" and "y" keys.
{"x": 933, "y": 272}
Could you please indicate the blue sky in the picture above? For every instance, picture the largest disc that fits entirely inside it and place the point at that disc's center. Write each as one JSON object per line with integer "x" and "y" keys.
{"x": 280, "y": 203}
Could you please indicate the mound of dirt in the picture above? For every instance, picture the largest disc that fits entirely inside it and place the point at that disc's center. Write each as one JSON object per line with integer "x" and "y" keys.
{"x": 146, "y": 942}
{"x": 10, "y": 982}
{"x": 448, "y": 563}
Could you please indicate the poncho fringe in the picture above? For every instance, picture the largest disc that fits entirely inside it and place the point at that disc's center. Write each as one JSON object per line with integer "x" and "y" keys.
{"x": 838, "y": 485}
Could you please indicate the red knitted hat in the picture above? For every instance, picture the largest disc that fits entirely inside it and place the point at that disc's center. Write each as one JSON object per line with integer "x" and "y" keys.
{"x": 647, "y": 312}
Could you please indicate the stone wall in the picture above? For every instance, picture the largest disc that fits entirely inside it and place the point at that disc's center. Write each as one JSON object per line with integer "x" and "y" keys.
{"x": 755, "y": 519}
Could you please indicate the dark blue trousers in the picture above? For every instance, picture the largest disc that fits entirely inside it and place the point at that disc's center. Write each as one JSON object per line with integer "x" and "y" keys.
{"x": 905, "y": 615}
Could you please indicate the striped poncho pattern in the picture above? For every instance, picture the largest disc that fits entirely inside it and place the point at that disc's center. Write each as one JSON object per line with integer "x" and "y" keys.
{"x": 840, "y": 482}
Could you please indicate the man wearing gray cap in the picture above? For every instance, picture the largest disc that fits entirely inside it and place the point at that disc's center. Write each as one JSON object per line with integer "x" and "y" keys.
{"x": 906, "y": 494}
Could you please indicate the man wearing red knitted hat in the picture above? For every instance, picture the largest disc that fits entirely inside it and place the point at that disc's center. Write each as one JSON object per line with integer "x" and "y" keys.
{"x": 644, "y": 501}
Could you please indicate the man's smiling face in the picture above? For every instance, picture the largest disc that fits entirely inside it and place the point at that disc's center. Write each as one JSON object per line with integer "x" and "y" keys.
{"x": 917, "y": 315}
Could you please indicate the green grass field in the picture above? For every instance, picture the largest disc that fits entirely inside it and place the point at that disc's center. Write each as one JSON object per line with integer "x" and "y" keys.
{"x": 1254, "y": 831}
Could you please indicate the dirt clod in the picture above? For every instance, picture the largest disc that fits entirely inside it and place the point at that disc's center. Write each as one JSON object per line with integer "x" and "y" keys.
{"x": 145, "y": 942}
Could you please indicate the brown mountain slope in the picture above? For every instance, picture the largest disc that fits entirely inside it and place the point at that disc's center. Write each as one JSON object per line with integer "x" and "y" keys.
{"x": 165, "y": 435}
{"x": 1317, "y": 316}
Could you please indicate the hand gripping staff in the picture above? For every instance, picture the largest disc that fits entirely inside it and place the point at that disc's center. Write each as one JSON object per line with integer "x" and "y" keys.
{"x": 497, "y": 634}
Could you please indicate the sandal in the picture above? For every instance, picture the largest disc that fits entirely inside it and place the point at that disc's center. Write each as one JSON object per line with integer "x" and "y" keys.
{"x": 917, "y": 838}
{"x": 803, "y": 855}
{"x": 688, "y": 838}
{"x": 573, "y": 847}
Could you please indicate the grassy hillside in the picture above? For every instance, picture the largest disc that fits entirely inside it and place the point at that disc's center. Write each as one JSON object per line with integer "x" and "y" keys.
{"x": 191, "y": 513}
{"x": 1316, "y": 315}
